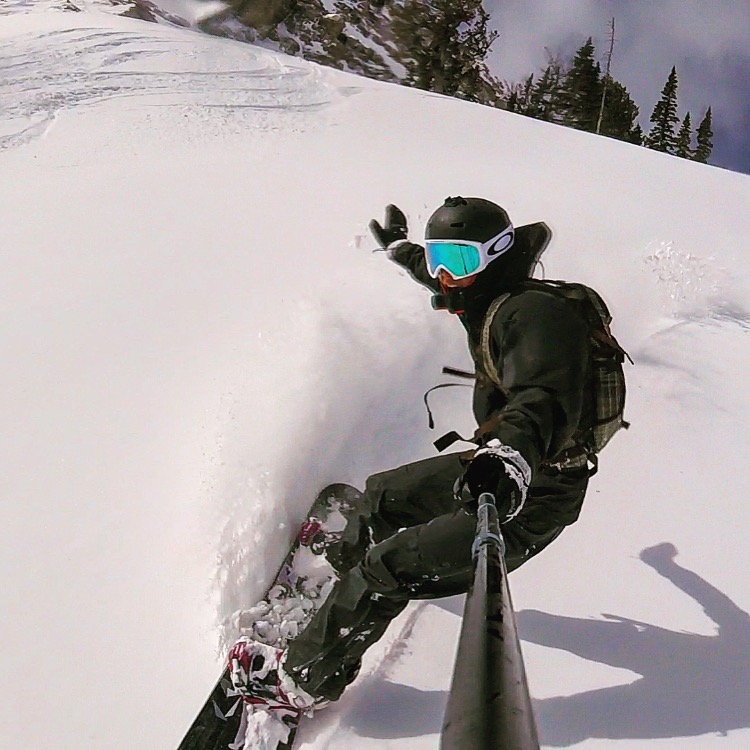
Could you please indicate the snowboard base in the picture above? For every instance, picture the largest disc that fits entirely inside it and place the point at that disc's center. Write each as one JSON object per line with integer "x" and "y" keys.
{"x": 226, "y": 721}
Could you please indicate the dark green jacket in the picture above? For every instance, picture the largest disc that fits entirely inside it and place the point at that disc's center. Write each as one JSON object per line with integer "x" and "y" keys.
{"x": 540, "y": 345}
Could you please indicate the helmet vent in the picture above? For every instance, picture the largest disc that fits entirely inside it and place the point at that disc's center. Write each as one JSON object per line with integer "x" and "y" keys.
{"x": 458, "y": 224}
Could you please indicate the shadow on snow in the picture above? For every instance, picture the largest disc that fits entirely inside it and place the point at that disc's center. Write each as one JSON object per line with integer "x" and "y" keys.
{"x": 690, "y": 684}
{"x": 388, "y": 710}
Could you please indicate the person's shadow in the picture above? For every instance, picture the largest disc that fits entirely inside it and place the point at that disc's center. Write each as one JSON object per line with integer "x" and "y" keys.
{"x": 690, "y": 684}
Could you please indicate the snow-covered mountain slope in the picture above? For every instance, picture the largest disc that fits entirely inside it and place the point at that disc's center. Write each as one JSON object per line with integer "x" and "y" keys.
{"x": 197, "y": 336}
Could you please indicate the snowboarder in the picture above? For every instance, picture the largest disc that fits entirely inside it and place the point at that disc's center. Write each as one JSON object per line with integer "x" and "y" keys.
{"x": 534, "y": 400}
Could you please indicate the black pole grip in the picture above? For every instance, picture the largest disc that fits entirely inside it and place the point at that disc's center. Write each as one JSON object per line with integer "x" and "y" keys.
{"x": 489, "y": 706}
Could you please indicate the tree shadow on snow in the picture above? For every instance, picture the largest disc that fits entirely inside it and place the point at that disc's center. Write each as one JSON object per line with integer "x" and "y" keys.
{"x": 690, "y": 684}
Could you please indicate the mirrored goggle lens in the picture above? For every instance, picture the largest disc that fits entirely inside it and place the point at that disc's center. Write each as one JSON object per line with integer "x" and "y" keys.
{"x": 455, "y": 257}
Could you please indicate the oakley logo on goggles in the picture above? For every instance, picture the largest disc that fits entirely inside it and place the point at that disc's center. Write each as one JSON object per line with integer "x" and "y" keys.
{"x": 462, "y": 258}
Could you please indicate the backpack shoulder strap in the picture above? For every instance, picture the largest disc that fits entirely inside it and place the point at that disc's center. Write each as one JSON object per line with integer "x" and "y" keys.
{"x": 485, "y": 351}
{"x": 486, "y": 361}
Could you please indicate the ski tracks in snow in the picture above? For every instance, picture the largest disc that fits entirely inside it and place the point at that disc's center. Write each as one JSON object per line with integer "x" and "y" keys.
{"x": 61, "y": 69}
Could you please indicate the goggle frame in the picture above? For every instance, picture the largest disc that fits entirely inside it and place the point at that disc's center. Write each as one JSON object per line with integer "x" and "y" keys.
{"x": 486, "y": 253}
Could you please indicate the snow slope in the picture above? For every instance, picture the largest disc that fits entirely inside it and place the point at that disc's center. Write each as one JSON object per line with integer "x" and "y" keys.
{"x": 196, "y": 337}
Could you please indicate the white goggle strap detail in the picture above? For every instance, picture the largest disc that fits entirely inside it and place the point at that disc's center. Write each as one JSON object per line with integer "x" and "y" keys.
{"x": 508, "y": 233}
{"x": 516, "y": 467}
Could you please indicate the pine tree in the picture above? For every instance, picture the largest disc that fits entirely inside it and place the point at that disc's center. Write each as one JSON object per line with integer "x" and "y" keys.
{"x": 444, "y": 45}
{"x": 545, "y": 95}
{"x": 661, "y": 137}
{"x": 581, "y": 90}
{"x": 684, "y": 136}
{"x": 512, "y": 104}
{"x": 521, "y": 97}
{"x": 635, "y": 136}
{"x": 472, "y": 79}
{"x": 704, "y": 139}
{"x": 620, "y": 114}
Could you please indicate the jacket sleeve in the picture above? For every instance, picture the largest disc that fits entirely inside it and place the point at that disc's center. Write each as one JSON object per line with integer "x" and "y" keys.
{"x": 411, "y": 257}
{"x": 541, "y": 349}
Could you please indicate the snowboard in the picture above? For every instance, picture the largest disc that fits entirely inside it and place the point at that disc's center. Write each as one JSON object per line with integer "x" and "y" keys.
{"x": 227, "y": 721}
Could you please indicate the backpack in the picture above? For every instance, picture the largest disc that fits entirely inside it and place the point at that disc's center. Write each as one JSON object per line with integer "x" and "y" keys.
{"x": 607, "y": 376}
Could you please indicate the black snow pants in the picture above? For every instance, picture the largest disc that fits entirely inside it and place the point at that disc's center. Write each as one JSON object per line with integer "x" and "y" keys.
{"x": 411, "y": 539}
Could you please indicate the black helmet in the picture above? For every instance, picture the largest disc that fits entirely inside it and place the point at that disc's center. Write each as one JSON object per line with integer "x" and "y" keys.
{"x": 474, "y": 219}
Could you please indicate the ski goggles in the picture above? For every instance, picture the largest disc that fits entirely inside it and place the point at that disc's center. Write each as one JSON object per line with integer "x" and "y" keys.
{"x": 462, "y": 258}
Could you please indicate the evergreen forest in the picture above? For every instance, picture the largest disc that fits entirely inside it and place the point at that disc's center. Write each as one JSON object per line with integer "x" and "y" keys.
{"x": 448, "y": 43}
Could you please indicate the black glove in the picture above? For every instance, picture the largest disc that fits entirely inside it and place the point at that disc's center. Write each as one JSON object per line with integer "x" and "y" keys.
{"x": 395, "y": 227}
{"x": 488, "y": 472}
